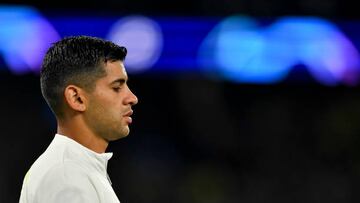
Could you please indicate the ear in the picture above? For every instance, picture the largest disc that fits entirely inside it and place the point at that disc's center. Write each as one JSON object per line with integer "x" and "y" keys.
{"x": 75, "y": 97}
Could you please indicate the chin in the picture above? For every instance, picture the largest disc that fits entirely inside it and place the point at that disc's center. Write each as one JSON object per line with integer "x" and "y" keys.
{"x": 122, "y": 134}
{"x": 118, "y": 137}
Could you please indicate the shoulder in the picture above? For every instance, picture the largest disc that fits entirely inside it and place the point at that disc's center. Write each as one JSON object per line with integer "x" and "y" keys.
{"x": 66, "y": 182}
{"x": 66, "y": 172}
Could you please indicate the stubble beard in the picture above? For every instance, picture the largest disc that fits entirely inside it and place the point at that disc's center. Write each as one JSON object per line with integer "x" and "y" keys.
{"x": 106, "y": 125}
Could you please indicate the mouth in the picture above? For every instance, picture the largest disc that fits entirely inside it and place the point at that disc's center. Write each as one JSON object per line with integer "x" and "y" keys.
{"x": 127, "y": 116}
{"x": 129, "y": 113}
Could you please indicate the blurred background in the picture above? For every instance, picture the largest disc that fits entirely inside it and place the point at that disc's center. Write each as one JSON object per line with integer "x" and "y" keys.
{"x": 239, "y": 101}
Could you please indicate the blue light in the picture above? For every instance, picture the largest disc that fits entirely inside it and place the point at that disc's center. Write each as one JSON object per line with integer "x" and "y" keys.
{"x": 143, "y": 39}
{"x": 320, "y": 46}
{"x": 241, "y": 51}
{"x": 238, "y": 50}
{"x": 24, "y": 38}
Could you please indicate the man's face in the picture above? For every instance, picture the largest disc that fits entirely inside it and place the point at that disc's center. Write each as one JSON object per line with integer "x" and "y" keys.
{"x": 109, "y": 106}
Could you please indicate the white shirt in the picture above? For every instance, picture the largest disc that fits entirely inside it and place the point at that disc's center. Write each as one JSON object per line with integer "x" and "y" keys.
{"x": 68, "y": 172}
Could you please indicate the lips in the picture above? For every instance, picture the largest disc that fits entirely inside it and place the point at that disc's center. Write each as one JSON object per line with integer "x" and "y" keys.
{"x": 129, "y": 113}
{"x": 127, "y": 116}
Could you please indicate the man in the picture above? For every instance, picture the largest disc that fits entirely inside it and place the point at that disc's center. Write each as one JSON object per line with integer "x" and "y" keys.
{"x": 83, "y": 80}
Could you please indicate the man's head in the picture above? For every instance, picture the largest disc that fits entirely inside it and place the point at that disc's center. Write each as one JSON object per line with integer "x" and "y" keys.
{"x": 85, "y": 76}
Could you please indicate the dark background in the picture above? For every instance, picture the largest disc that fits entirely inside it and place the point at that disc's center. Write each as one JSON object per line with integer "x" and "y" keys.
{"x": 325, "y": 8}
{"x": 196, "y": 140}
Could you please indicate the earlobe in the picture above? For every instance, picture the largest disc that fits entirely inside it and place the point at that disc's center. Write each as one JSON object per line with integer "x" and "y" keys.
{"x": 74, "y": 98}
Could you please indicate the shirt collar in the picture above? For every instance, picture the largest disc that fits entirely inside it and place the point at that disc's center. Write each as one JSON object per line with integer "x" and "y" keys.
{"x": 98, "y": 160}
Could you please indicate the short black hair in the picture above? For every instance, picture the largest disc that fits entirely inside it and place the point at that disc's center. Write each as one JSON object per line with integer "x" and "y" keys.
{"x": 77, "y": 60}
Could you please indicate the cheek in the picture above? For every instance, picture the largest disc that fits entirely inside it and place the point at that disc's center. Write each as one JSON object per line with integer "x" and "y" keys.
{"x": 106, "y": 100}
{"x": 109, "y": 102}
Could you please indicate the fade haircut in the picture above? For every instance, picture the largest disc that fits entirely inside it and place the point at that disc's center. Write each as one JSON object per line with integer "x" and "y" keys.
{"x": 77, "y": 60}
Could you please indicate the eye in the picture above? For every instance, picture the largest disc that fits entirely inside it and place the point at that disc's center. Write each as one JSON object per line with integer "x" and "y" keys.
{"x": 116, "y": 89}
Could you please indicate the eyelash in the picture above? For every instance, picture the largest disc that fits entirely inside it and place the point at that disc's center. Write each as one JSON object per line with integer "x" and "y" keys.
{"x": 116, "y": 89}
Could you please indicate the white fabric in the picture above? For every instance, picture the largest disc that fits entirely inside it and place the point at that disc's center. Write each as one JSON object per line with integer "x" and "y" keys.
{"x": 68, "y": 172}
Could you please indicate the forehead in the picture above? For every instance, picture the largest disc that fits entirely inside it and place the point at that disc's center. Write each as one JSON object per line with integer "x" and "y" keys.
{"x": 115, "y": 70}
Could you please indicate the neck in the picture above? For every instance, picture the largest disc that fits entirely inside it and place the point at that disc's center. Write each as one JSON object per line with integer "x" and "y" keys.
{"x": 76, "y": 129}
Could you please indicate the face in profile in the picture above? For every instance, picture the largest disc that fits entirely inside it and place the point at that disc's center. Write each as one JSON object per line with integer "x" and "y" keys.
{"x": 110, "y": 104}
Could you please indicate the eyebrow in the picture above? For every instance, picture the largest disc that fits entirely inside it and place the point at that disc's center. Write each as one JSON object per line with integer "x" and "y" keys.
{"x": 120, "y": 81}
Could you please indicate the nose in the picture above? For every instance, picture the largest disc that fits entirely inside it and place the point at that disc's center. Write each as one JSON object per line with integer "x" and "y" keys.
{"x": 132, "y": 98}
